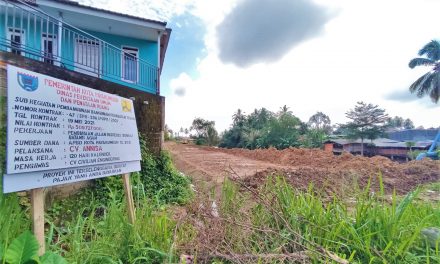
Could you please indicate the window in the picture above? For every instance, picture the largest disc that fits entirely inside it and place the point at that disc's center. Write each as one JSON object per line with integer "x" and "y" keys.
{"x": 49, "y": 47}
{"x": 130, "y": 64}
{"x": 87, "y": 56}
{"x": 17, "y": 38}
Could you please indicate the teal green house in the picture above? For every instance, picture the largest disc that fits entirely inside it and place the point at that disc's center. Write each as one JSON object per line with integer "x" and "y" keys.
{"x": 120, "y": 48}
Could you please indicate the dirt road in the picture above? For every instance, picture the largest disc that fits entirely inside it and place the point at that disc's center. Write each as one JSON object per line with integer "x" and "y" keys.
{"x": 301, "y": 167}
{"x": 211, "y": 164}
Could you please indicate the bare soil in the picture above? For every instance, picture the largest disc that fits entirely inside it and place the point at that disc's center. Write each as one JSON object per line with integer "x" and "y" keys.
{"x": 301, "y": 168}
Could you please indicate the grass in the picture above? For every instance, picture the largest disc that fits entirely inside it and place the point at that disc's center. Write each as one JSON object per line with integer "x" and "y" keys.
{"x": 103, "y": 235}
{"x": 275, "y": 221}
{"x": 92, "y": 226}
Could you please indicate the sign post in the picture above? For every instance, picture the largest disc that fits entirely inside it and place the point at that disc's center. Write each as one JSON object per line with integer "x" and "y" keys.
{"x": 60, "y": 132}
{"x": 129, "y": 198}
{"x": 37, "y": 213}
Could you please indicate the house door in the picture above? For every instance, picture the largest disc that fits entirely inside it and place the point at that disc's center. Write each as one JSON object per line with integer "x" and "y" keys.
{"x": 49, "y": 47}
{"x": 87, "y": 57}
{"x": 17, "y": 39}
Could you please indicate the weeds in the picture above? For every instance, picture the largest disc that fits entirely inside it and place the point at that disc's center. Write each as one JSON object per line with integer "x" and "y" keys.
{"x": 95, "y": 238}
{"x": 277, "y": 224}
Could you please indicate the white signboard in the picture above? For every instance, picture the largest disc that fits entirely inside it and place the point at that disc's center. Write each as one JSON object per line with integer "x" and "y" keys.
{"x": 60, "y": 132}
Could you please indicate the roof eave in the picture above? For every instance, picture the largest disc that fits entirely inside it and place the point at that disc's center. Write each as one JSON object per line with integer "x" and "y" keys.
{"x": 165, "y": 39}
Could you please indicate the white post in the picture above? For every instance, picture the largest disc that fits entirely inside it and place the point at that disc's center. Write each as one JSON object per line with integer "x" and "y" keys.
{"x": 60, "y": 35}
{"x": 158, "y": 49}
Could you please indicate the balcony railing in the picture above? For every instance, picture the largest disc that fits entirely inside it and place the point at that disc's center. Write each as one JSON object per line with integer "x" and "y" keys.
{"x": 34, "y": 34}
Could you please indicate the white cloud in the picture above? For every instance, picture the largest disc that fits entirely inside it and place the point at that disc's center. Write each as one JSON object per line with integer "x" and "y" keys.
{"x": 362, "y": 55}
{"x": 180, "y": 85}
{"x": 162, "y": 10}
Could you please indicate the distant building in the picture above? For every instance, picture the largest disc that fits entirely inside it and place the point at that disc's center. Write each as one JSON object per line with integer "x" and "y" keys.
{"x": 413, "y": 134}
{"x": 393, "y": 149}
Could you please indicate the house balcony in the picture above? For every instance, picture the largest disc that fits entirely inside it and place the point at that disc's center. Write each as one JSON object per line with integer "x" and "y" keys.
{"x": 28, "y": 31}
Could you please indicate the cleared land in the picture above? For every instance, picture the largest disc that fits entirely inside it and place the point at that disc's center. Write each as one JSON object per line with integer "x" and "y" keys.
{"x": 301, "y": 167}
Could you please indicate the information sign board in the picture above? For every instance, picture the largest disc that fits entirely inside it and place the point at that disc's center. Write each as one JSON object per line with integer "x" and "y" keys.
{"x": 60, "y": 132}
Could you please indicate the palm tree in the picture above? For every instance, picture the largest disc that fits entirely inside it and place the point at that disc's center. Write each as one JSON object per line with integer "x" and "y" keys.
{"x": 238, "y": 118}
{"x": 284, "y": 110}
{"x": 429, "y": 83}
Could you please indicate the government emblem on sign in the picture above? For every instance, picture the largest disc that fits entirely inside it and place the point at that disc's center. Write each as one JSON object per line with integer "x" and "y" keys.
{"x": 27, "y": 82}
{"x": 126, "y": 105}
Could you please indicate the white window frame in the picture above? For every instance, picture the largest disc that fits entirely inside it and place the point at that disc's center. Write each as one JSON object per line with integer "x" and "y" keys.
{"x": 13, "y": 31}
{"x": 89, "y": 70}
{"x": 131, "y": 49}
{"x": 54, "y": 39}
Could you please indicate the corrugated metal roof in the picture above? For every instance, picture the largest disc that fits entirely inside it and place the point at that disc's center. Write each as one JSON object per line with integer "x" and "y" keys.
{"x": 381, "y": 142}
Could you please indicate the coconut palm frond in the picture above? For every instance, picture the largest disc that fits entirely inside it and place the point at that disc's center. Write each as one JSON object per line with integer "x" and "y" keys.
{"x": 421, "y": 62}
{"x": 415, "y": 86}
{"x": 429, "y": 83}
{"x": 426, "y": 86}
{"x": 431, "y": 50}
{"x": 434, "y": 93}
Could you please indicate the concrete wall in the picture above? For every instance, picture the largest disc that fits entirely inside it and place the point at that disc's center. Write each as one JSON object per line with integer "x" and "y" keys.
{"x": 149, "y": 108}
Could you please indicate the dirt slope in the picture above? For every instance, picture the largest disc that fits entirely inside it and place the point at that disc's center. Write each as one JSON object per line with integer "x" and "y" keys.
{"x": 301, "y": 167}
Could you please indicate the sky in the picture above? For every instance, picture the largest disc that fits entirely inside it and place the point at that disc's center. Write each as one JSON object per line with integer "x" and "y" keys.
{"x": 311, "y": 55}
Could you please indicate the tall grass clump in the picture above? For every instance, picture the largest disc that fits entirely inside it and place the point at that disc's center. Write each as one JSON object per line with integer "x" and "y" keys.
{"x": 158, "y": 180}
{"x": 277, "y": 221}
{"x": 104, "y": 235}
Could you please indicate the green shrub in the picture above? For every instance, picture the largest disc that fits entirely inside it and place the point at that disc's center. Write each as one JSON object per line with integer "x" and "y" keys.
{"x": 158, "y": 180}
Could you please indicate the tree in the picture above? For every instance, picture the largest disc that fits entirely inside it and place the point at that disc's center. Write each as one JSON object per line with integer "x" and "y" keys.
{"x": 205, "y": 131}
{"x": 368, "y": 121}
{"x": 408, "y": 124}
{"x": 399, "y": 123}
{"x": 429, "y": 83}
{"x": 313, "y": 138}
{"x": 395, "y": 122}
{"x": 281, "y": 132}
{"x": 212, "y": 136}
{"x": 259, "y": 118}
{"x": 238, "y": 118}
{"x": 168, "y": 133}
{"x": 284, "y": 110}
{"x": 320, "y": 121}
{"x": 319, "y": 126}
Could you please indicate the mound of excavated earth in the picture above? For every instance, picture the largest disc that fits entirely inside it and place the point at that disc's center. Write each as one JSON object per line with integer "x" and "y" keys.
{"x": 302, "y": 167}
